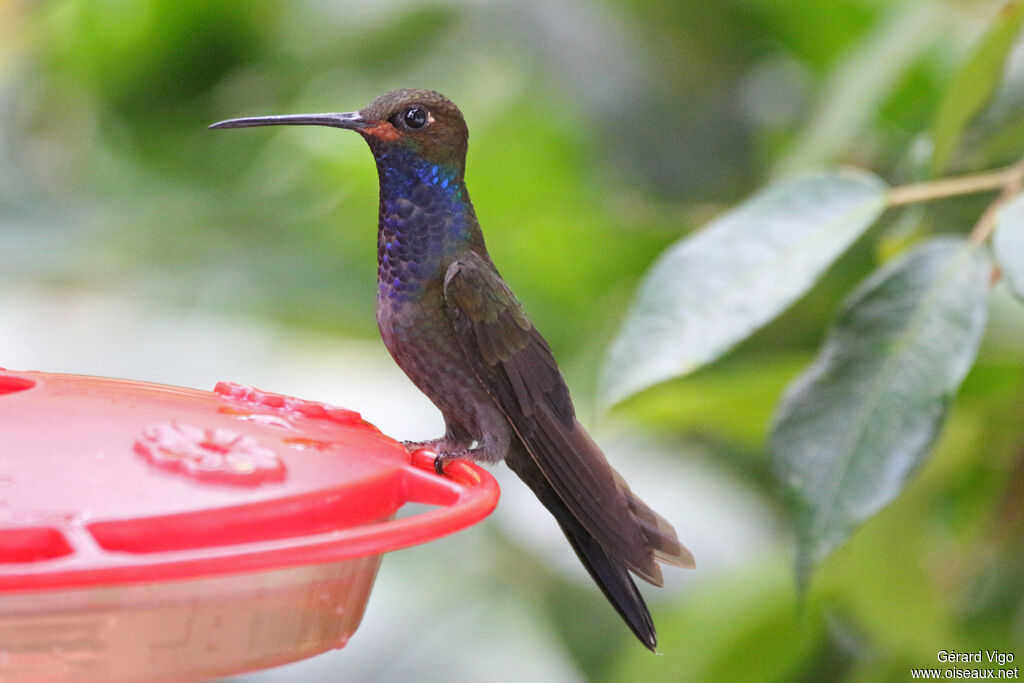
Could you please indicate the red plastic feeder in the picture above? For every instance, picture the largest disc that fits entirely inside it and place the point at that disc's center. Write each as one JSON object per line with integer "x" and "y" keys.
{"x": 157, "y": 533}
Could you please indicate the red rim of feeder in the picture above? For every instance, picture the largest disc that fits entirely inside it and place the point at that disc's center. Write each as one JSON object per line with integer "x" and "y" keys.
{"x": 108, "y": 481}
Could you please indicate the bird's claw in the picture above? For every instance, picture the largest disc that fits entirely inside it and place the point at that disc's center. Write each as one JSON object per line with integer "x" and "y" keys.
{"x": 427, "y": 448}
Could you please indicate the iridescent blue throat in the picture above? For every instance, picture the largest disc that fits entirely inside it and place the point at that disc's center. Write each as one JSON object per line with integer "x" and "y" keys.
{"x": 425, "y": 216}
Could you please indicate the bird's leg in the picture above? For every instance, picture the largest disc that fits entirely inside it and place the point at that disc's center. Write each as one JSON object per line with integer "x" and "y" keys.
{"x": 436, "y": 445}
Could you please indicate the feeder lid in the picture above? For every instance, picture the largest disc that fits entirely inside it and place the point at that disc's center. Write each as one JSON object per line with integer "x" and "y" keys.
{"x": 108, "y": 481}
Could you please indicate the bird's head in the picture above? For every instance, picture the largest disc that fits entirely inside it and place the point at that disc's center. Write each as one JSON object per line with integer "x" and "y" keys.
{"x": 422, "y": 122}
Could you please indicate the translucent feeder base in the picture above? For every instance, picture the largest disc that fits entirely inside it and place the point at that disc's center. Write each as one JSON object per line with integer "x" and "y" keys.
{"x": 183, "y": 630}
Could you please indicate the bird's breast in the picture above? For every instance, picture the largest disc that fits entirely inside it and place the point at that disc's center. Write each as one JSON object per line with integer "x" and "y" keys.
{"x": 419, "y": 336}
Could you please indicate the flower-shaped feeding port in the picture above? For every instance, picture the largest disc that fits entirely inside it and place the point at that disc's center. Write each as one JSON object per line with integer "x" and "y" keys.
{"x": 217, "y": 454}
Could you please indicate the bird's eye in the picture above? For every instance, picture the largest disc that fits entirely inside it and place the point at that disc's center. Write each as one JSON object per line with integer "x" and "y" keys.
{"x": 415, "y": 117}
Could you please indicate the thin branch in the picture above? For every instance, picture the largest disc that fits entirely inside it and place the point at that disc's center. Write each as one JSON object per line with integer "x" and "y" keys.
{"x": 987, "y": 223}
{"x": 951, "y": 187}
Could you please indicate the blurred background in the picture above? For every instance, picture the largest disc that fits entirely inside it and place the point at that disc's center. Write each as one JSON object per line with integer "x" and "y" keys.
{"x": 135, "y": 243}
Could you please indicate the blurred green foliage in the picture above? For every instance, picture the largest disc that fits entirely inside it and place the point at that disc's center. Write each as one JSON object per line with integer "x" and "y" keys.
{"x": 600, "y": 133}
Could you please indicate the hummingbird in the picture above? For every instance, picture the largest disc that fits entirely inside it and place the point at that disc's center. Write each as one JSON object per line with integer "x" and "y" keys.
{"x": 455, "y": 328}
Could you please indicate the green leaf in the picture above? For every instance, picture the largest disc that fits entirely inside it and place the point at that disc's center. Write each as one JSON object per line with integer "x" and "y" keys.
{"x": 975, "y": 83}
{"x": 1008, "y": 245}
{"x": 714, "y": 288}
{"x": 861, "y": 419}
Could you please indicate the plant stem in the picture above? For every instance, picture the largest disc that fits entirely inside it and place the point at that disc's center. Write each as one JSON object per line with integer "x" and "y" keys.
{"x": 987, "y": 223}
{"x": 951, "y": 187}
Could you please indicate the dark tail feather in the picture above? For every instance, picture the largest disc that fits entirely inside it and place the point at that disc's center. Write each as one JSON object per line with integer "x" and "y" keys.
{"x": 616, "y": 584}
{"x": 609, "y": 574}
{"x": 659, "y": 534}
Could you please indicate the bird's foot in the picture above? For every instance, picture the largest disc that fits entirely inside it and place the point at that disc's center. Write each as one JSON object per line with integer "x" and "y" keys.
{"x": 438, "y": 447}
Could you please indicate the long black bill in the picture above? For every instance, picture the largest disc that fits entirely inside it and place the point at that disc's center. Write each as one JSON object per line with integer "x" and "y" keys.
{"x": 351, "y": 120}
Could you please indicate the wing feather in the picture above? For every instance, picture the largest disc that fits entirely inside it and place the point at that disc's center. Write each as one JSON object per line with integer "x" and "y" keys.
{"x": 517, "y": 367}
